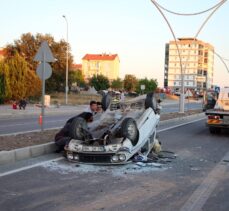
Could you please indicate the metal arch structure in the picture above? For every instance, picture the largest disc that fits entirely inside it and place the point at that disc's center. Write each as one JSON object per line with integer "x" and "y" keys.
{"x": 191, "y": 14}
{"x": 214, "y": 8}
{"x": 222, "y": 60}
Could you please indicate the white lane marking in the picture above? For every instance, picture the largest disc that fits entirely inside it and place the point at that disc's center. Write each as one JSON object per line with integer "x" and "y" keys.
{"x": 29, "y": 123}
{"x": 28, "y": 167}
{"x": 203, "y": 192}
{"x": 179, "y": 125}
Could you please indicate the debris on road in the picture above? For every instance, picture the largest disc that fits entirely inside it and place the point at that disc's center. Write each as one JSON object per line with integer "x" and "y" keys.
{"x": 65, "y": 167}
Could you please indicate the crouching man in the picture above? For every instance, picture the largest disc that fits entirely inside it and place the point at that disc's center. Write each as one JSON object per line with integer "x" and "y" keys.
{"x": 62, "y": 138}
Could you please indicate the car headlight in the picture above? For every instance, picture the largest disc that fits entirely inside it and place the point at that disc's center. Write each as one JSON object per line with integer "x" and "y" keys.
{"x": 70, "y": 156}
{"x": 122, "y": 157}
{"x": 76, "y": 157}
{"x": 115, "y": 158}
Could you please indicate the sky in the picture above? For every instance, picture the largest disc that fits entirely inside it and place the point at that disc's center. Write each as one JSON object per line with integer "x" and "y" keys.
{"x": 134, "y": 29}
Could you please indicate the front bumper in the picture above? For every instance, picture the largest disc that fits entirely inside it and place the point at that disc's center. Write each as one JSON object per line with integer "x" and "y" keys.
{"x": 94, "y": 158}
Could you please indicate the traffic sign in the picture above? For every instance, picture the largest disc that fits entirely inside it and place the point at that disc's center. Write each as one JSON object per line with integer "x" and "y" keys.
{"x": 44, "y": 53}
{"x": 143, "y": 86}
{"x": 47, "y": 72}
{"x": 44, "y": 71}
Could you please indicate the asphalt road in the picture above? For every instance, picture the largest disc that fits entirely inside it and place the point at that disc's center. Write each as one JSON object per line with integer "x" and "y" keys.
{"x": 170, "y": 108}
{"x": 196, "y": 180}
{"x": 29, "y": 123}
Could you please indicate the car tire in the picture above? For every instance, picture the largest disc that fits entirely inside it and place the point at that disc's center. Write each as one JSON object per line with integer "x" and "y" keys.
{"x": 106, "y": 100}
{"x": 150, "y": 101}
{"x": 129, "y": 130}
{"x": 77, "y": 128}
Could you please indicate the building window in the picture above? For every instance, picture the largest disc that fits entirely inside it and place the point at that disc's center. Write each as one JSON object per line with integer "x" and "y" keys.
{"x": 199, "y": 72}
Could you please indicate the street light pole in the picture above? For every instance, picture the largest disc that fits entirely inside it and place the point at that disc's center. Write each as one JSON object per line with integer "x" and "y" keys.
{"x": 66, "y": 83}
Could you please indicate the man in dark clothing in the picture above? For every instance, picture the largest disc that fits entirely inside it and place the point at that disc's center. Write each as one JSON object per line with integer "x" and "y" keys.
{"x": 22, "y": 104}
{"x": 63, "y": 137}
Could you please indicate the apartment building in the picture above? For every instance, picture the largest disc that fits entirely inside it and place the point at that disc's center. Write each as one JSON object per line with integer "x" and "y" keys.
{"x": 197, "y": 59}
{"x": 105, "y": 64}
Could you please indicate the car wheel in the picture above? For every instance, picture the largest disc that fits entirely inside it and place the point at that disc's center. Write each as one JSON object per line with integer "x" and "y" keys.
{"x": 106, "y": 100}
{"x": 129, "y": 130}
{"x": 77, "y": 128}
{"x": 150, "y": 101}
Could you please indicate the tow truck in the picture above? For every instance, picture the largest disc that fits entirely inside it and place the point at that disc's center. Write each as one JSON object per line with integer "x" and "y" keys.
{"x": 217, "y": 111}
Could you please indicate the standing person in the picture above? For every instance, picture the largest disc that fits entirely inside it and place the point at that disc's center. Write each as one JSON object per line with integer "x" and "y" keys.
{"x": 122, "y": 97}
{"x": 92, "y": 108}
{"x": 62, "y": 138}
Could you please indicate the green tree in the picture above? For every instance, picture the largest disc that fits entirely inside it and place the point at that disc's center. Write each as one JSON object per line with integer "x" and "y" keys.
{"x": 2, "y": 86}
{"x": 4, "y": 69}
{"x": 117, "y": 84}
{"x": 150, "y": 85}
{"x": 130, "y": 82}
{"x": 28, "y": 45}
{"x": 99, "y": 82}
{"x": 19, "y": 81}
{"x": 33, "y": 85}
{"x": 76, "y": 76}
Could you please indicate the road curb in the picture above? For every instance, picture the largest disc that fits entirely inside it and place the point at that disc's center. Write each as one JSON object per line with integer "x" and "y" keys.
{"x": 12, "y": 156}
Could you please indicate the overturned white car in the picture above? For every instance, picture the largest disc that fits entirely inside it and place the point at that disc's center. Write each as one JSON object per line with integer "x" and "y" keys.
{"x": 116, "y": 135}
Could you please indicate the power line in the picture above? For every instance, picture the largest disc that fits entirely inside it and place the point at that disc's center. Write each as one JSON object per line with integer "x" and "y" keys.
{"x": 189, "y": 14}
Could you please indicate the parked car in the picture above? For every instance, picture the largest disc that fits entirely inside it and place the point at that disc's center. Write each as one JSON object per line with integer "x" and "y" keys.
{"x": 116, "y": 136}
{"x": 177, "y": 93}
